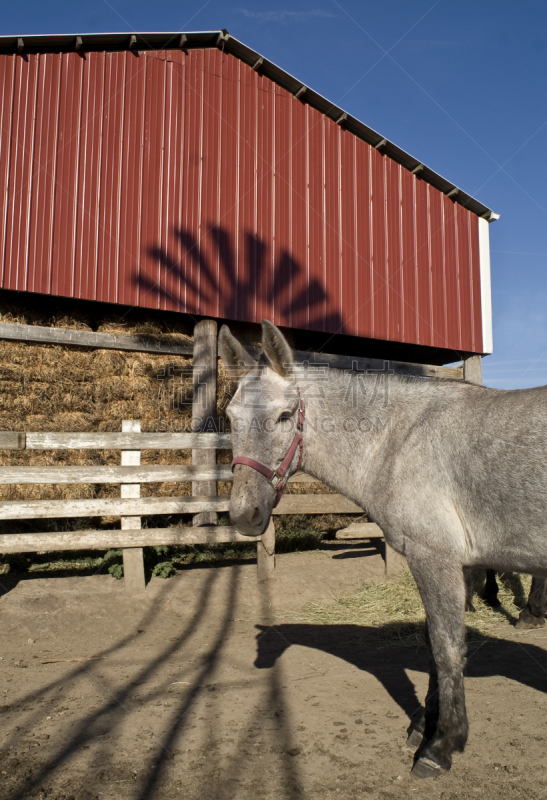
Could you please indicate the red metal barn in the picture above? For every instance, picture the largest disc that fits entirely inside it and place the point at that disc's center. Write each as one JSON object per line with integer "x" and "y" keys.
{"x": 188, "y": 173}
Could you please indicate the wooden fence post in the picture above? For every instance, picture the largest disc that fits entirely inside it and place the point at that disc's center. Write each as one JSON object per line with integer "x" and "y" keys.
{"x": 204, "y": 407}
{"x": 265, "y": 554}
{"x": 133, "y": 561}
{"x": 472, "y": 369}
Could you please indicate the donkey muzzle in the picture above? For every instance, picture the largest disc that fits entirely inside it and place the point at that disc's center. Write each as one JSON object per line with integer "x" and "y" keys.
{"x": 250, "y": 520}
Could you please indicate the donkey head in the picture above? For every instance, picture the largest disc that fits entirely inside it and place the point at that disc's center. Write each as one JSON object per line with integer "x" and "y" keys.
{"x": 264, "y": 414}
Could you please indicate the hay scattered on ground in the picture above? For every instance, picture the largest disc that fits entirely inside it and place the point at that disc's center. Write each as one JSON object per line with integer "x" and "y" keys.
{"x": 395, "y": 610}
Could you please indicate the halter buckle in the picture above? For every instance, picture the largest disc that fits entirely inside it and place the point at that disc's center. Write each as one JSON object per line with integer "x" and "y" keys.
{"x": 275, "y": 480}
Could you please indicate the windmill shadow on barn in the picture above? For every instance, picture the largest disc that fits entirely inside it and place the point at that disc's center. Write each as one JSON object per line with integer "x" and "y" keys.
{"x": 210, "y": 274}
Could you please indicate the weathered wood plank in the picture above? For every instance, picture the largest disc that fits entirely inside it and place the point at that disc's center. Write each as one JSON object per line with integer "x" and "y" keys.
{"x": 301, "y": 477}
{"x": 290, "y": 504}
{"x": 394, "y": 562}
{"x": 147, "y": 344}
{"x": 102, "y": 341}
{"x": 375, "y": 364}
{"x": 133, "y": 557}
{"x": 177, "y": 473}
{"x": 316, "y": 504}
{"x": 472, "y": 369}
{"x": 360, "y": 530}
{"x": 12, "y": 440}
{"x": 106, "y": 539}
{"x": 133, "y": 570}
{"x": 379, "y": 365}
{"x": 142, "y": 474}
{"x": 127, "y": 441}
{"x": 42, "y": 509}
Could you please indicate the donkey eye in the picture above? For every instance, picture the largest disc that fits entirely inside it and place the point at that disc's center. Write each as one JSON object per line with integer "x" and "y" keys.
{"x": 286, "y": 415}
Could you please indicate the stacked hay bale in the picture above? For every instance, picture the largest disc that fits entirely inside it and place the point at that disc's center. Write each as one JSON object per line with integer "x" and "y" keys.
{"x": 71, "y": 389}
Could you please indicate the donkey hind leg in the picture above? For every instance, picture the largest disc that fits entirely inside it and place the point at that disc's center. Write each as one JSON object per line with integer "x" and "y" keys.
{"x": 533, "y": 616}
{"x": 442, "y": 590}
{"x": 468, "y": 578}
{"x": 491, "y": 589}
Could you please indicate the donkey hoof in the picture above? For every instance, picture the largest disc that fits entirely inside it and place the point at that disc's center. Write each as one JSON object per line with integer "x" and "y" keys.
{"x": 529, "y": 621}
{"x": 426, "y": 768}
{"x": 415, "y": 739}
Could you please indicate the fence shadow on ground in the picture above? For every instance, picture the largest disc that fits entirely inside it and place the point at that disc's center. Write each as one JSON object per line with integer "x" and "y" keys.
{"x": 101, "y": 730}
{"x": 92, "y": 749}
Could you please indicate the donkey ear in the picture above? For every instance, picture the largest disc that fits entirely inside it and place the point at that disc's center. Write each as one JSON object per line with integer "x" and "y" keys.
{"x": 276, "y": 349}
{"x": 236, "y": 359}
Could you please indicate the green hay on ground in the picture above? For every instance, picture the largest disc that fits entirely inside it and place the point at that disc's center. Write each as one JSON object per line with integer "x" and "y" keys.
{"x": 395, "y": 610}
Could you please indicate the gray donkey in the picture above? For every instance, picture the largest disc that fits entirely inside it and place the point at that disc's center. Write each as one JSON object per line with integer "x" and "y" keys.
{"x": 455, "y": 475}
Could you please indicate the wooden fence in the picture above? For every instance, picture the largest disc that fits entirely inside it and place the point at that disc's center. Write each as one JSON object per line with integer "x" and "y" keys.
{"x": 203, "y": 472}
{"x": 130, "y": 506}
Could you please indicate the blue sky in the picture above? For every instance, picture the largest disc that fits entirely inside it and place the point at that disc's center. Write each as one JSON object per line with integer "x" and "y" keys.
{"x": 461, "y": 86}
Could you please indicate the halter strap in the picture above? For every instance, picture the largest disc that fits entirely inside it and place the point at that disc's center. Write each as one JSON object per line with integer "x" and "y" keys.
{"x": 276, "y": 477}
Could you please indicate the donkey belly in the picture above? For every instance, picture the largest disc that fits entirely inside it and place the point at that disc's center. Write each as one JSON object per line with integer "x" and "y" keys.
{"x": 486, "y": 536}
{"x": 498, "y": 481}
{"x": 506, "y": 538}
{"x": 509, "y": 550}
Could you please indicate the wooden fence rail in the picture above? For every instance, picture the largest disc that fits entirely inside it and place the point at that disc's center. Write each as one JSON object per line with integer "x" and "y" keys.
{"x": 114, "y": 538}
{"x": 114, "y": 441}
{"x": 140, "y": 474}
{"x": 147, "y": 506}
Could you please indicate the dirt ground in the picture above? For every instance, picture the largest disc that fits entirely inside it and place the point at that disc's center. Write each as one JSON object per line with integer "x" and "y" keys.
{"x": 200, "y": 691}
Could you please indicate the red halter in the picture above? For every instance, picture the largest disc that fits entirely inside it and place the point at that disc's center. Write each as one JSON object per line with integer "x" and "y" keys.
{"x": 275, "y": 476}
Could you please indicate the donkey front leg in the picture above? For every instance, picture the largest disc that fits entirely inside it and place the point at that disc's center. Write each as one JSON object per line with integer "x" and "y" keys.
{"x": 423, "y": 728}
{"x": 442, "y": 588}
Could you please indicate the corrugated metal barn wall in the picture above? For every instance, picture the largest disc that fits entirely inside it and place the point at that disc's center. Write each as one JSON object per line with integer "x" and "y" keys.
{"x": 189, "y": 182}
